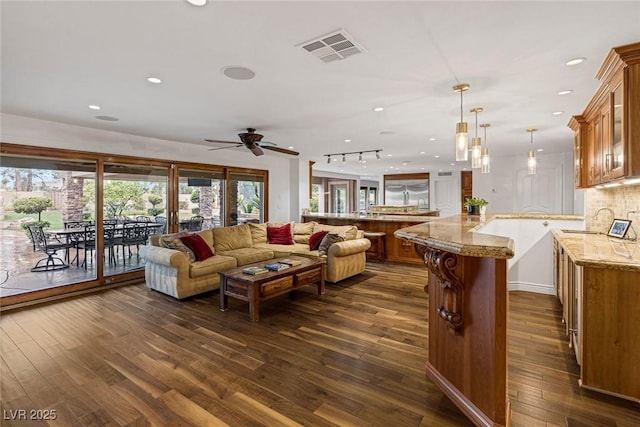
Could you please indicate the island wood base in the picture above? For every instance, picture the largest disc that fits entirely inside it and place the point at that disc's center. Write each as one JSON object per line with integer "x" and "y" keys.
{"x": 468, "y": 333}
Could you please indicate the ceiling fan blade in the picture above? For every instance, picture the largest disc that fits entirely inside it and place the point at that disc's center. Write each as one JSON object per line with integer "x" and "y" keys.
{"x": 255, "y": 149}
{"x": 238, "y": 144}
{"x": 282, "y": 150}
{"x": 223, "y": 142}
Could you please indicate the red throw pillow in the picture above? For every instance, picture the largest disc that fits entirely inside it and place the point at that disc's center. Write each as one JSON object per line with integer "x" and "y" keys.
{"x": 315, "y": 239}
{"x": 280, "y": 235}
{"x": 199, "y": 247}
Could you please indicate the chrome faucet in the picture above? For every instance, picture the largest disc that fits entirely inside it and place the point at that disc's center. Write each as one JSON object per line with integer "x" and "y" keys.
{"x": 595, "y": 216}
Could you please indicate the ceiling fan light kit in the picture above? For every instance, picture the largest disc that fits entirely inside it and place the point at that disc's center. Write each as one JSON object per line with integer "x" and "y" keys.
{"x": 253, "y": 141}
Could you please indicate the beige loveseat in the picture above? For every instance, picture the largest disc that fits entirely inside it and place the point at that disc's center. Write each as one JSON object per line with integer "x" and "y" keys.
{"x": 171, "y": 272}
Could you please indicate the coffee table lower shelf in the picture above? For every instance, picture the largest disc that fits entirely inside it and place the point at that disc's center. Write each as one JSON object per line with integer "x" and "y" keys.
{"x": 254, "y": 289}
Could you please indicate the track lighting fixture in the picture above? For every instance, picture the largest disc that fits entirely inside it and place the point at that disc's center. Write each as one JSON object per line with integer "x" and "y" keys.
{"x": 359, "y": 153}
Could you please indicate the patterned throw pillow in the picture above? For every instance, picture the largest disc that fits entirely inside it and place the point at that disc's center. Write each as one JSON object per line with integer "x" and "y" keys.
{"x": 327, "y": 241}
{"x": 177, "y": 245}
{"x": 316, "y": 239}
{"x": 166, "y": 240}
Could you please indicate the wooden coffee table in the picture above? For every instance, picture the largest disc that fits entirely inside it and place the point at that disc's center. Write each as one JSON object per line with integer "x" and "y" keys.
{"x": 234, "y": 283}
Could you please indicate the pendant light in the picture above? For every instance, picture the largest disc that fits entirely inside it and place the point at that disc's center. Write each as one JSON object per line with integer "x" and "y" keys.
{"x": 531, "y": 160}
{"x": 462, "y": 134}
{"x": 476, "y": 144}
{"x": 484, "y": 158}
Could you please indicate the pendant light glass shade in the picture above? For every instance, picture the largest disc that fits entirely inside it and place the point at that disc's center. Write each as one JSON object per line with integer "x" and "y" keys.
{"x": 462, "y": 133}
{"x": 485, "y": 161}
{"x": 531, "y": 163}
{"x": 531, "y": 159}
{"x": 476, "y": 153}
{"x": 476, "y": 144}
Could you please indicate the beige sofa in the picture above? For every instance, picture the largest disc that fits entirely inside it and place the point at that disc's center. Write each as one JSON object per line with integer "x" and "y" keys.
{"x": 170, "y": 271}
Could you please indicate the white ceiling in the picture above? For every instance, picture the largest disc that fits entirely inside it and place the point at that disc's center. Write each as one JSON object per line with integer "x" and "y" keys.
{"x": 60, "y": 56}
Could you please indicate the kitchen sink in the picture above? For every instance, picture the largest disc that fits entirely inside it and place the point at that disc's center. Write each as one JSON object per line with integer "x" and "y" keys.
{"x": 581, "y": 231}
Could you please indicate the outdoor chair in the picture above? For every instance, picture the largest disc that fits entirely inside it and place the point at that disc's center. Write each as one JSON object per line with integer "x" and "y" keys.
{"x": 161, "y": 220}
{"x": 195, "y": 223}
{"x": 50, "y": 247}
{"x": 88, "y": 243}
{"x": 134, "y": 234}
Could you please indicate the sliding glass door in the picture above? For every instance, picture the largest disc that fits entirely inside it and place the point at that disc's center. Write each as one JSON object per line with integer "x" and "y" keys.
{"x": 201, "y": 199}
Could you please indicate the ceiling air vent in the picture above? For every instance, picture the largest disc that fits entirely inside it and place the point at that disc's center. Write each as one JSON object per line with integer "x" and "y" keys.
{"x": 332, "y": 47}
{"x": 444, "y": 173}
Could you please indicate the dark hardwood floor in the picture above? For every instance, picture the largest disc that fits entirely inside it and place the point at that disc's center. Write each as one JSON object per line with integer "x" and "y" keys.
{"x": 353, "y": 357}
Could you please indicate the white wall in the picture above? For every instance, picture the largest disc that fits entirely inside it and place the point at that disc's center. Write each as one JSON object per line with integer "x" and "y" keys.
{"x": 500, "y": 186}
{"x": 41, "y": 133}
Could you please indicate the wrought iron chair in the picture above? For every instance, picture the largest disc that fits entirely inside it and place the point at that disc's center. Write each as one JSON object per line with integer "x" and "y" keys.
{"x": 161, "y": 220}
{"x": 134, "y": 234}
{"x": 88, "y": 243}
{"x": 195, "y": 223}
{"x": 49, "y": 247}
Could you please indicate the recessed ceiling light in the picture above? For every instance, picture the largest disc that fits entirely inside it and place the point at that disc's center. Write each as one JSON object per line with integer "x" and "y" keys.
{"x": 452, "y": 164}
{"x": 565, "y": 92}
{"x": 347, "y": 140}
{"x": 107, "y": 118}
{"x": 378, "y": 109}
{"x": 557, "y": 113}
{"x": 432, "y": 139}
{"x": 94, "y": 107}
{"x": 335, "y": 159}
{"x": 154, "y": 80}
{"x": 422, "y": 152}
{"x": 540, "y": 149}
{"x": 238, "y": 73}
{"x": 197, "y": 2}
{"x": 389, "y": 155}
{"x": 421, "y": 169}
{"x": 575, "y": 61}
{"x": 291, "y": 147}
{"x": 437, "y": 156}
{"x": 464, "y": 169}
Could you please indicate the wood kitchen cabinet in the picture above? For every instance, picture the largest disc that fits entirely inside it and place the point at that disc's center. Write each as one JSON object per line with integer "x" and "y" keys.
{"x": 607, "y": 133}
{"x": 600, "y": 312}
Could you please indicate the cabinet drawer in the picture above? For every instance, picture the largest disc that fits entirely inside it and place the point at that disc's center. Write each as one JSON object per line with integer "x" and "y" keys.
{"x": 308, "y": 277}
{"x": 276, "y": 286}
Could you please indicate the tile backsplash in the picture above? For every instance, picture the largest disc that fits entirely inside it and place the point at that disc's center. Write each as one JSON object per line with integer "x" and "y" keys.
{"x": 621, "y": 199}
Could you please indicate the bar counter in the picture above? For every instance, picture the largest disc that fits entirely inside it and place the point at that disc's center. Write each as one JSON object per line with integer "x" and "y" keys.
{"x": 467, "y": 311}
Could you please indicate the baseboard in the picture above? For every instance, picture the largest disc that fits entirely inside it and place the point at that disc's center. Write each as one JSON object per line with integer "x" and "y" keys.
{"x": 538, "y": 288}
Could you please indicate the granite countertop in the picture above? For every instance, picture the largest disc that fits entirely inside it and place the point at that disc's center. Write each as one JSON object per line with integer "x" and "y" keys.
{"x": 371, "y": 217}
{"x": 455, "y": 234}
{"x": 600, "y": 250}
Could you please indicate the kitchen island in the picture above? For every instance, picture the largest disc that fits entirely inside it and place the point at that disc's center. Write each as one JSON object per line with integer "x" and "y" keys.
{"x": 468, "y": 303}
{"x": 396, "y": 249}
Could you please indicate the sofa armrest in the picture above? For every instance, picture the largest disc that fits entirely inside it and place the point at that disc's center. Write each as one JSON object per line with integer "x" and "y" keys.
{"x": 349, "y": 247}
{"x": 164, "y": 256}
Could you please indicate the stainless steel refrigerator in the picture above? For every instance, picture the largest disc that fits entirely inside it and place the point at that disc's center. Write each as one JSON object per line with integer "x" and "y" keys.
{"x": 407, "y": 192}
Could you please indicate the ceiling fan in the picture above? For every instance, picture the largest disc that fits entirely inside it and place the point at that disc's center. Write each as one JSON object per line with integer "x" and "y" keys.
{"x": 253, "y": 141}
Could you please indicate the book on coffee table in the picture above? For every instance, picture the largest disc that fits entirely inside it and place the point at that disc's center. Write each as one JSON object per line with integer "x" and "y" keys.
{"x": 254, "y": 270}
{"x": 277, "y": 266}
{"x": 290, "y": 262}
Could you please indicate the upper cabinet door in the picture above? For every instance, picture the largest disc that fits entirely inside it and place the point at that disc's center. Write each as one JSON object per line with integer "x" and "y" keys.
{"x": 617, "y": 147}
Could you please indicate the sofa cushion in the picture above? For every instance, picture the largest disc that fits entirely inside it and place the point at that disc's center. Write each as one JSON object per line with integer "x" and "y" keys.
{"x": 349, "y": 232}
{"x": 212, "y": 265}
{"x": 199, "y": 247}
{"x": 258, "y": 233}
{"x": 329, "y": 240}
{"x": 246, "y": 256}
{"x": 302, "y": 231}
{"x": 230, "y": 238}
{"x": 315, "y": 239}
{"x": 280, "y": 235}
